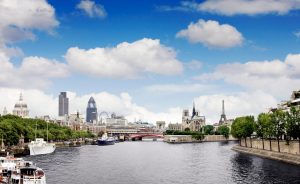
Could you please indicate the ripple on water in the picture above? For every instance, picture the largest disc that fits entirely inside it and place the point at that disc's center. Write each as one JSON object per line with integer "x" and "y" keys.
{"x": 158, "y": 162}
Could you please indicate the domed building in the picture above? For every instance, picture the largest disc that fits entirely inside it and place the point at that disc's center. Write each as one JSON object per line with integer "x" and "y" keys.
{"x": 21, "y": 108}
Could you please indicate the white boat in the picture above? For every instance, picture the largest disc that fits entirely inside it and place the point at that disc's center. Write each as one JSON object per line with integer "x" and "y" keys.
{"x": 17, "y": 171}
{"x": 39, "y": 147}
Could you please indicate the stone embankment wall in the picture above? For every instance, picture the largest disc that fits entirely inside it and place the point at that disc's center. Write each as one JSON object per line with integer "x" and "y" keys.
{"x": 284, "y": 157}
{"x": 216, "y": 138}
{"x": 178, "y": 138}
{"x": 292, "y": 148}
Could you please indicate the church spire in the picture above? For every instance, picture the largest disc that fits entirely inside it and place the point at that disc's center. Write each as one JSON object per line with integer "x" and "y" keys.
{"x": 21, "y": 97}
{"x": 194, "y": 110}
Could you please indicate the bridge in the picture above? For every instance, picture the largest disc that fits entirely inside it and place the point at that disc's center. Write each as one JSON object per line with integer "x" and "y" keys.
{"x": 139, "y": 136}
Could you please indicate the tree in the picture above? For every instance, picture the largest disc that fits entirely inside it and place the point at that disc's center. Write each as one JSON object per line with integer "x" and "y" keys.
{"x": 236, "y": 129}
{"x": 292, "y": 125}
{"x": 208, "y": 130}
{"x": 278, "y": 124}
{"x": 261, "y": 126}
{"x": 224, "y": 130}
{"x": 243, "y": 127}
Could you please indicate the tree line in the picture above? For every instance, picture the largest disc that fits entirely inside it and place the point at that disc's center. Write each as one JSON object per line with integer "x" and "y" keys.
{"x": 277, "y": 125}
{"x": 13, "y": 127}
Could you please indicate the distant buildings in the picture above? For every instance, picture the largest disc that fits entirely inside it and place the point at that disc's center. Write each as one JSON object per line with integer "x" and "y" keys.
{"x": 91, "y": 111}
{"x": 193, "y": 122}
{"x": 63, "y": 104}
{"x": 4, "y": 111}
{"x": 223, "y": 119}
{"x": 294, "y": 101}
{"x": 115, "y": 120}
{"x": 21, "y": 108}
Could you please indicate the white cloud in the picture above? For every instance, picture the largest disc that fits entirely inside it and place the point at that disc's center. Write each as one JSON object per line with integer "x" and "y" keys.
{"x": 297, "y": 34}
{"x": 238, "y": 7}
{"x": 212, "y": 34}
{"x": 18, "y": 19}
{"x": 193, "y": 65}
{"x": 92, "y": 9}
{"x": 276, "y": 77}
{"x": 249, "y": 7}
{"x": 239, "y": 104}
{"x": 34, "y": 72}
{"x": 126, "y": 60}
{"x": 179, "y": 88}
{"x": 40, "y": 103}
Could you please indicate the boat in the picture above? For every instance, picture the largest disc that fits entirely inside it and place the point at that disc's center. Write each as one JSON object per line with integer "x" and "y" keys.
{"x": 17, "y": 171}
{"x": 105, "y": 140}
{"x": 40, "y": 147}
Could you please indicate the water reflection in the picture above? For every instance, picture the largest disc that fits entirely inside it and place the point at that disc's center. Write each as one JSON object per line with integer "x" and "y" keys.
{"x": 158, "y": 162}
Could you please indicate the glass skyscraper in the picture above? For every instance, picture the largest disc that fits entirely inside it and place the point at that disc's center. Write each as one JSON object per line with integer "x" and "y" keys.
{"x": 91, "y": 111}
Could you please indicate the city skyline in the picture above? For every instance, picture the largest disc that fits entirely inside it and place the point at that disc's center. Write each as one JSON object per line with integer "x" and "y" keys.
{"x": 151, "y": 60}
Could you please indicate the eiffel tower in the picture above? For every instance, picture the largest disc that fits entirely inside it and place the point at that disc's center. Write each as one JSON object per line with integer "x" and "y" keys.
{"x": 223, "y": 116}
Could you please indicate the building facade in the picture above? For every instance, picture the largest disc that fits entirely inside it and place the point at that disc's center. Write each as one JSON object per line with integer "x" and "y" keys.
{"x": 91, "y": 111}
{"x": 21, "y": 108}
{"x": 63, "y": 104}
{"x": 193, "y": 122}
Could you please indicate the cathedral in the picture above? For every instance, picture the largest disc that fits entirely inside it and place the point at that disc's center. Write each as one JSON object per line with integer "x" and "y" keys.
{"x": 21, "y": 108}
{"x": 195, "y": 122}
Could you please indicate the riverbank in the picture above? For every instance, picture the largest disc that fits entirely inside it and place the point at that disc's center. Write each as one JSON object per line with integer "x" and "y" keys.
{"x": 284, "y": 157}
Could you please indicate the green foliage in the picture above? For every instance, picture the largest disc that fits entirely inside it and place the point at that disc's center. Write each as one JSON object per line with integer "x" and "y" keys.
{"x": 242, "y": 127}
{"x": 223, "y": 130}
{"x": 195, "y": 135}
{"x": 292, "y": 125}
{"x": 208, "y": 130}
{"x": 12, "y": 127}
{"x": 263, "y": 124}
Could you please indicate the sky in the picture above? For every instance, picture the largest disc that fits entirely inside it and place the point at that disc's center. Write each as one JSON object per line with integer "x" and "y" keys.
{"x": 148, "y": 60}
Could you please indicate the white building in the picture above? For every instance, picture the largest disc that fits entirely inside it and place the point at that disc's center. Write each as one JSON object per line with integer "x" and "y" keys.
{"x": 21, "y": 108}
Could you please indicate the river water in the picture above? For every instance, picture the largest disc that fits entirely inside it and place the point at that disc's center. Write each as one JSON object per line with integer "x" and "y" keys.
{"x": 161, "y": 163}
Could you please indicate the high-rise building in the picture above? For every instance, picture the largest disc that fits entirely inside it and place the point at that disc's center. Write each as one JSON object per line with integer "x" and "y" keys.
{"x": 63, "y": 104}
{"x": 91, "y": 111}
{"x": 21, "y": 108}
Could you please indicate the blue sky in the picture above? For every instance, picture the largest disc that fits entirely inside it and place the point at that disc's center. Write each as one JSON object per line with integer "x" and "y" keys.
{"x": 263, "y": 35}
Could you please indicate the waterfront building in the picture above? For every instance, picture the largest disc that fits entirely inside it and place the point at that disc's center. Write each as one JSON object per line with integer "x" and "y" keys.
{"x": 115, "y": 120}
{"x": 96, "y": 129}
{"x": 76, "y": 122}
{"x": 175, "y": 126}
{"x": 195, "y": 122}
{"x": 160, "y": 125}
{"x": 63, "y": 104}
{"x": 294, "y": 101}
{"x": 21, "y": 108}
{"x": 91, "y": 111}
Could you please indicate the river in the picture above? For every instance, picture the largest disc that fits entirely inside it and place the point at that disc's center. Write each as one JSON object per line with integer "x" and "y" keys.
{"x": 161, "y": 163}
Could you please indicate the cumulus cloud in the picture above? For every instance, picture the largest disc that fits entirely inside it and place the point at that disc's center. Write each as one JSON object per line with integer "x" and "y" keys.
{"x": 179, "y": 88}
{"x": 126, "y": 60}
{"x": 239, "y": 104}
{"x": 249, "y": 7}
{"x": 276, "y": 77}
{"x": 120, "y": 104}
{"x": 18, "y": 19}
{"x": 34, "y": 72}
{"x": 237, "y": 7}
{"x": 212, "y": 34}
{"x": 91, "y": 9}
{"x": 193, "y": 65}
